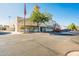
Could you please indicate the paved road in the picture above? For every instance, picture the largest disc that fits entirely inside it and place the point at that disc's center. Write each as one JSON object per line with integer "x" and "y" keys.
{"x": 36, "y": 44}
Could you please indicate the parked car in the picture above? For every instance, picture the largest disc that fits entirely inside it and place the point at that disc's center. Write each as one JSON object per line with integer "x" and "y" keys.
{"x": 66, "y": 30}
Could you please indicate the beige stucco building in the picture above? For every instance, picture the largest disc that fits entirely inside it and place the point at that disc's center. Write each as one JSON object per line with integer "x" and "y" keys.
{"x": 32, "y": 27}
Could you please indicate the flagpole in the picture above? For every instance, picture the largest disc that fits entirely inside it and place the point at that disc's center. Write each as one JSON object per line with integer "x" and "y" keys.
{"x": 24, "y": 15}
{"x": 24, "y": 24}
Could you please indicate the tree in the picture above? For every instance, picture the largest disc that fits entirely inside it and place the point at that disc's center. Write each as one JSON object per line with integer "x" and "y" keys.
{"x": 72, "y": 27}
{"x": 38, "y": 17}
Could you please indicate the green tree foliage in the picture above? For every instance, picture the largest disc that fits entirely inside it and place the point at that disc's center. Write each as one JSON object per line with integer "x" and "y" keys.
{"x": 38, "y": 17}
{"x": 72, "y": 27}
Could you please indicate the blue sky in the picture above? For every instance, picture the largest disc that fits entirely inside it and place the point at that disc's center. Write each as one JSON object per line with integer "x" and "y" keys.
{"x": 11, "y": 9}
{"x": 63, "y": 13}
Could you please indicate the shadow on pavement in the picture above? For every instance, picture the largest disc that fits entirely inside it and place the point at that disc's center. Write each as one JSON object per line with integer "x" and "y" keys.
{"x": 69, "y": 33}
{"x": 4, "y": 33}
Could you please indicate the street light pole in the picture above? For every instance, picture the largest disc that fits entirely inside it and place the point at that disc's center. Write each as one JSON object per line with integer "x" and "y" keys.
{"x": 9, "y": 22}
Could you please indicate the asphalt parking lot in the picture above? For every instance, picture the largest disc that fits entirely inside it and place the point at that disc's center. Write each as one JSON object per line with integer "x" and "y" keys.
{"x": 37, "y": 44}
